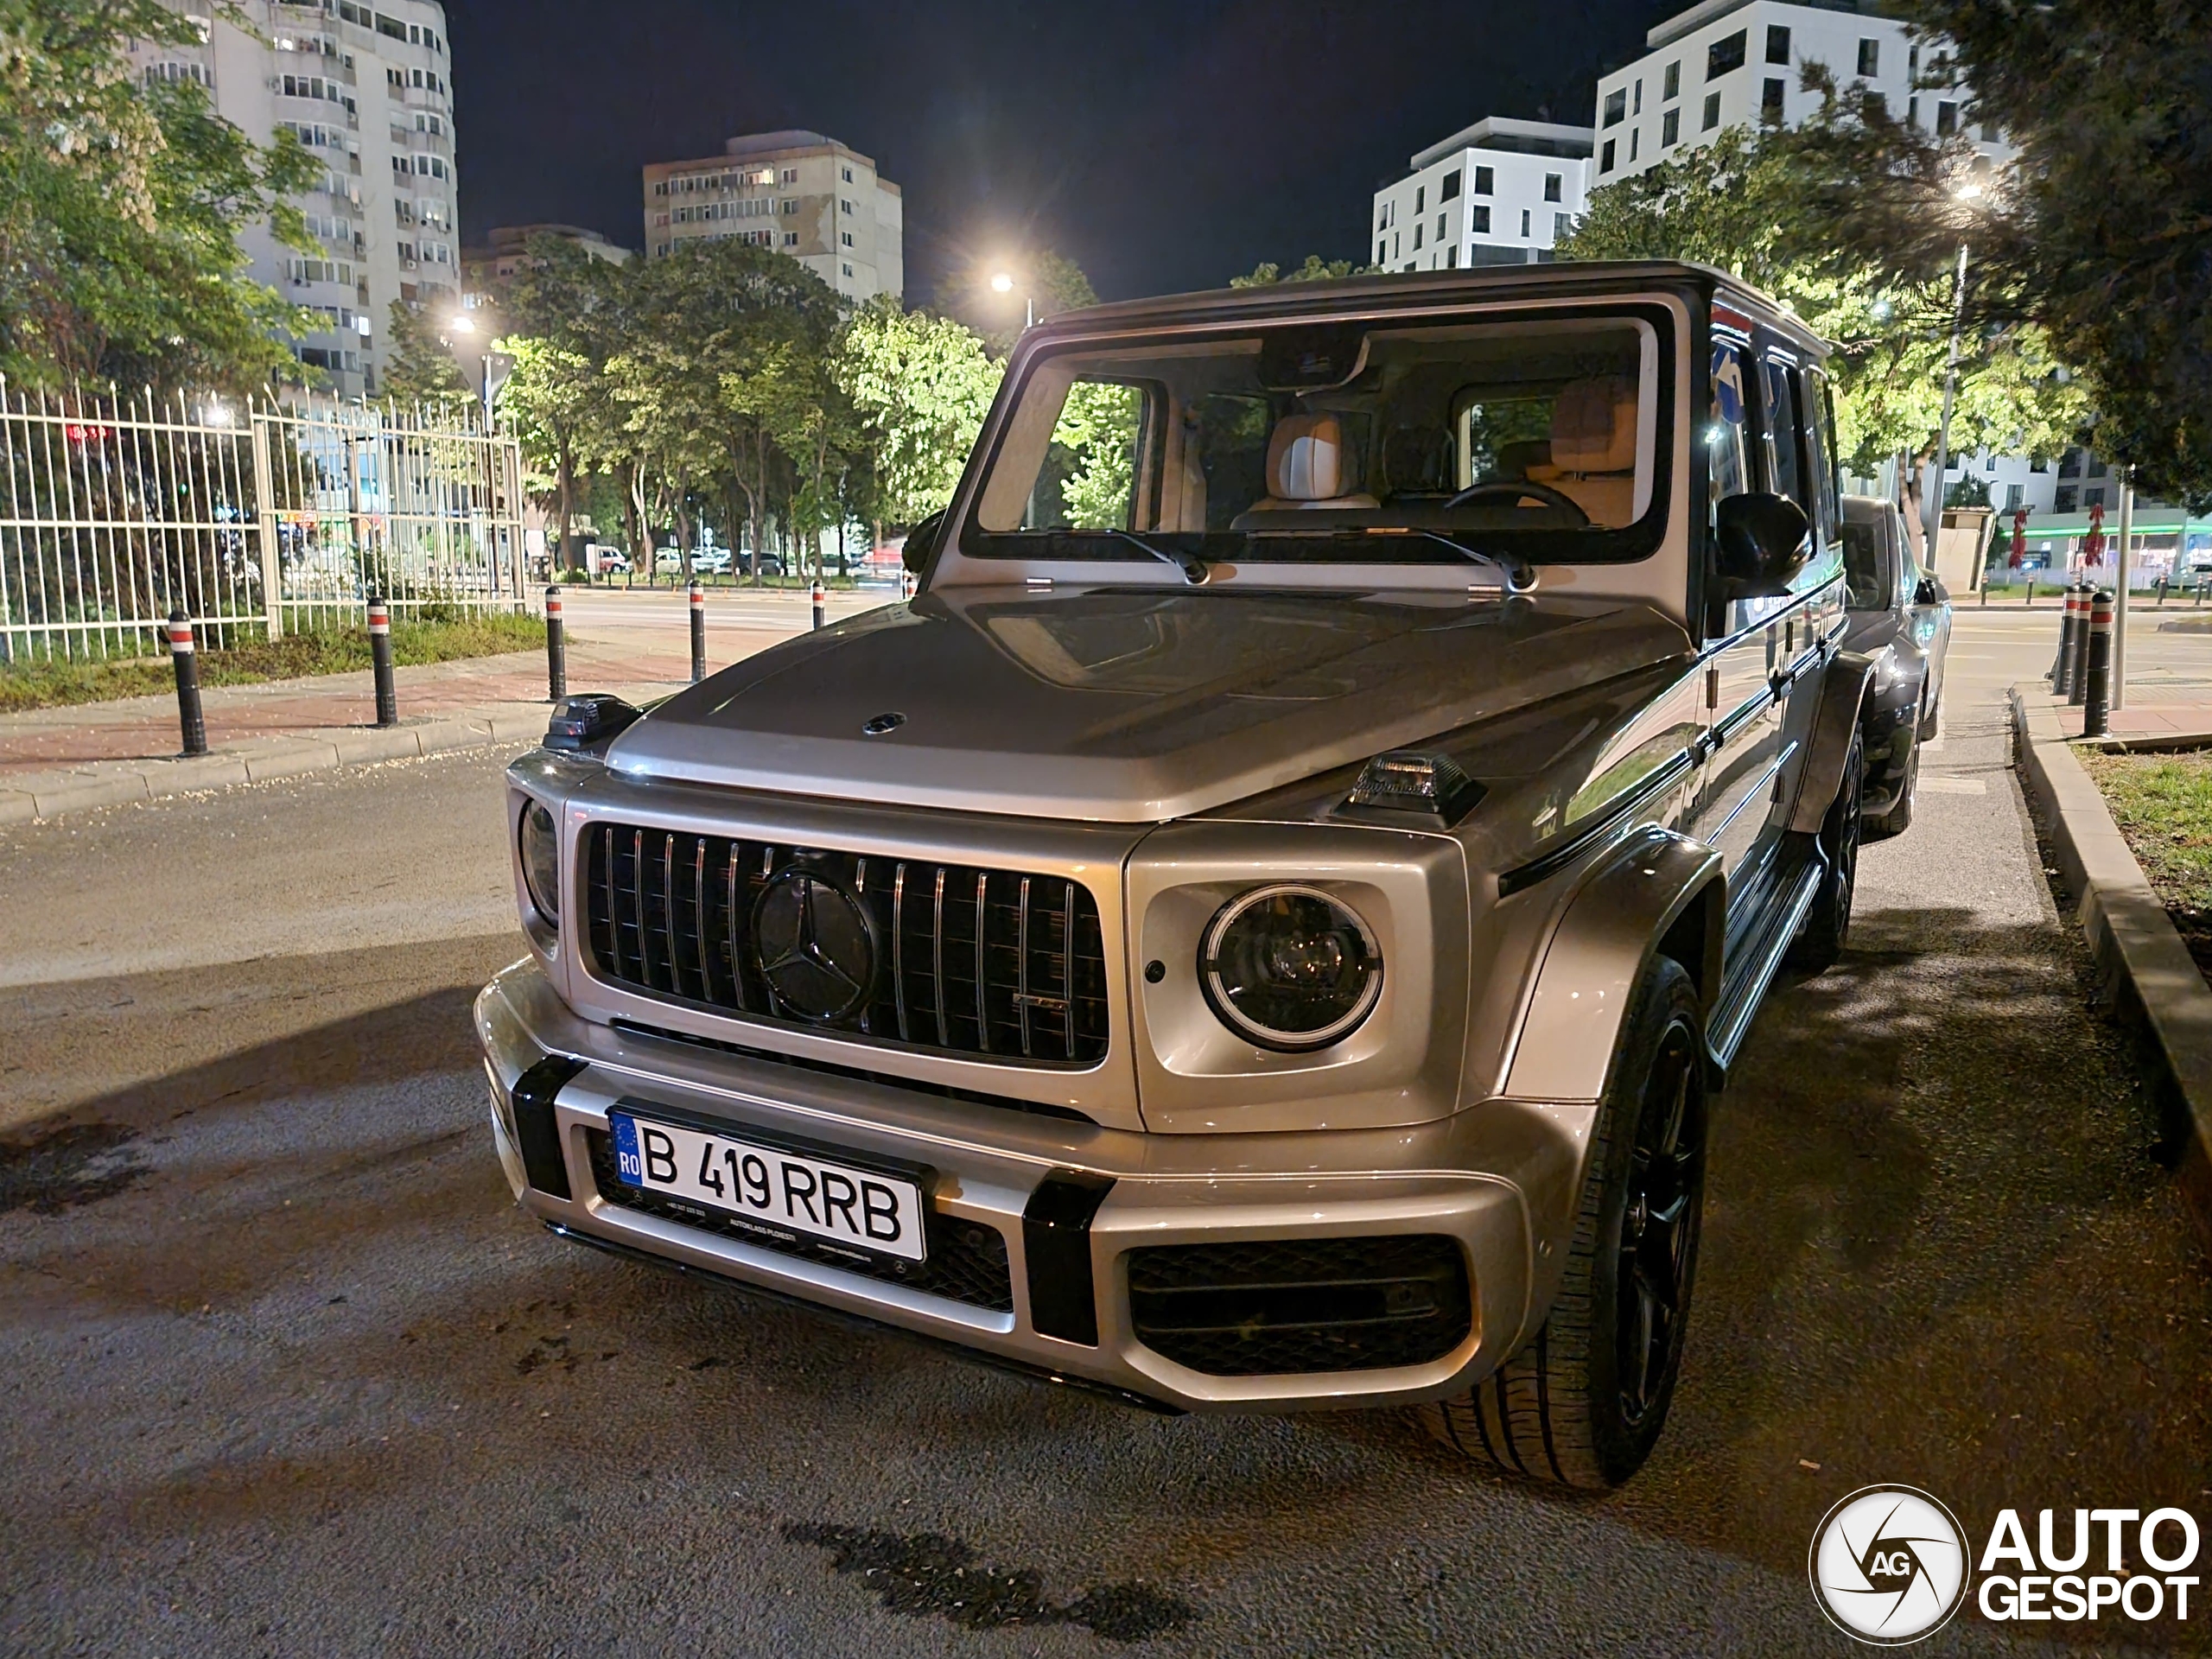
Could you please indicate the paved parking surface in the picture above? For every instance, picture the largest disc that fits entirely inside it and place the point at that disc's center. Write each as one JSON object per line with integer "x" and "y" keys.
{"x": 282, "y": 1370}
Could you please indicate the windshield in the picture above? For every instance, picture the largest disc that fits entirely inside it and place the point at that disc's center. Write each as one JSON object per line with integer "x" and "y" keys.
{"x": 1541, "y": 439}
{"x": 1866, "y": 568}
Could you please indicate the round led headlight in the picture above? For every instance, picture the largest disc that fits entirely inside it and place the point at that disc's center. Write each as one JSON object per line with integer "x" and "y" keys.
{"x": 540, "y": 841}
{"x": 1290, "y": 967}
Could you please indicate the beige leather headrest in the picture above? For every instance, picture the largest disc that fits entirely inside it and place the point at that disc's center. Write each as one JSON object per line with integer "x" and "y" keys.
{"x": 1305, "y": 458}
{"x": 1593, "y": 426}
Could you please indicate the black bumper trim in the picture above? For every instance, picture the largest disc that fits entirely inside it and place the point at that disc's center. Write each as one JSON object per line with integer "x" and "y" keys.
{"x": 1056, "y": 1241}
{"x": 534, "y": 1094}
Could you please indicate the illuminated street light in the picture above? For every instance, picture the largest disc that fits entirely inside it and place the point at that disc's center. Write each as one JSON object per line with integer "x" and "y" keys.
{"x": 463, "y": 324}
{"x": 1002, "y": 283}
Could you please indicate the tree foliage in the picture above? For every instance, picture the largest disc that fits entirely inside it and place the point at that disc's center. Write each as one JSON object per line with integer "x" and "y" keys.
{"x": 2099, "y": 231}
{"x": 921, "y": 384}
{"x": 1759, "y": 206}
{"x": 121, "y": 203}
{"x": 1316, "y": 269}
{"x": 418, "y": 362}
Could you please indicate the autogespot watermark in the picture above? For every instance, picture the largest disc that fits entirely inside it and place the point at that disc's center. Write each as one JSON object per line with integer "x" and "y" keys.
{"x": 1891, "y": 1565}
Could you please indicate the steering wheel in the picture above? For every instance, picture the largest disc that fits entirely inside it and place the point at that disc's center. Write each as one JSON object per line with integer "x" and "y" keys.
{"x": 1517, "y": 489}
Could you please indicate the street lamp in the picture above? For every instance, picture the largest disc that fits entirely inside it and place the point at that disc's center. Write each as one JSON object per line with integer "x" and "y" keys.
{"x": 1002, "y": 283}
{"x": 1969, "y": 190}
{"x": 464, "y": 325}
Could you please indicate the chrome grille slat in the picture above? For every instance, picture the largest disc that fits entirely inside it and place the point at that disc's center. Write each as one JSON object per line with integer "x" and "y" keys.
{"x": 970, "y": 974}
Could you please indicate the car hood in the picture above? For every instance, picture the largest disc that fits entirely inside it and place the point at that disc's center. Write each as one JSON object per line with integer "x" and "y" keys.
{"x": 1124, "y": 705}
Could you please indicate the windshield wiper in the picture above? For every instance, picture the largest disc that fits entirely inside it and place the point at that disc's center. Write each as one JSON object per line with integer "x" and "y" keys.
{"x": 1195, "y": 569}
{"x": 1520, "y": 575}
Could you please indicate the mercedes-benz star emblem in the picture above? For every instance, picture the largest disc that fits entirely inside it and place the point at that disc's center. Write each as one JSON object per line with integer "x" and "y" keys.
{"x": 877, "y": 725}
{"x": 814, "y": 945}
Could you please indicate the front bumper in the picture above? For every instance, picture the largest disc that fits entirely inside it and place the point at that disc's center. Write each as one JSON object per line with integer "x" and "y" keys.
{"x": 990, "y": 1165}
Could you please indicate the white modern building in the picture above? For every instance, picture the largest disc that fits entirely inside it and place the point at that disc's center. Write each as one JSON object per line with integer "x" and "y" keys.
{"x": 801, "y": 192}
{"x": 1499, "y": 193}
{"x": 368, "y": 89}
{"x": 1737, "y": 63}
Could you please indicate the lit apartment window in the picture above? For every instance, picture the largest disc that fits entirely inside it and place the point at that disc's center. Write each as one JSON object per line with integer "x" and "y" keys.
{"x": 1670, "y": 129}
{"x": 1479, "y": 220}
{"x": 1712, "y": 111}
{"x": 1449, "y": 190}
{"x": 1486, "y": 181}
{"x": 1870, "y": 57}
{"x": 1616, "y": 106}
{"x": 1771, "y": 100}
{"x": 1551, "y": 182}
{"x": 1724, "y": 54}
{"x": 1606, "y": 157}
{"x": 1777, "y": 43}
{"x": 1670, "y": 84}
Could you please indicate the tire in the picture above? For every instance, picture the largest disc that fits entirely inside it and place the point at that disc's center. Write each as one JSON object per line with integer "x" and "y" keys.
{"x": 1932, "y": 721}
{"x": 1898, "y": 818}
{"x": 1582, "y": 1403}
{"x": 1820, "y": 939}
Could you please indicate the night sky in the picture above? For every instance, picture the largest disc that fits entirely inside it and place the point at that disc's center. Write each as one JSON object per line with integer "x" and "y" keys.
{"x": 1162, "y": 144}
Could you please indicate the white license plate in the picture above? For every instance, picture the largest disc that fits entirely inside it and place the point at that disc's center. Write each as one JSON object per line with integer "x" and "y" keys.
{"x": 861, "y": 1208}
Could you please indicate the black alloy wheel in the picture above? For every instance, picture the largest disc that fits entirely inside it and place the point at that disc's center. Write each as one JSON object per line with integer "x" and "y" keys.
{"x": 1583, "y": 1403}
{"x": 1659, "y": 1224}
{"x": 1820, "y": 939}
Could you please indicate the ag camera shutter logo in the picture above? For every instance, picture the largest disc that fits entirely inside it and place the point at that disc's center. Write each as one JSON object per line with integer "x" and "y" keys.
{"x": 1889, "y": 1565}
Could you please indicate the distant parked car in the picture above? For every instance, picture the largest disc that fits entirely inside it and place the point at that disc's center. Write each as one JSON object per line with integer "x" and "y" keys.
{"x": 711, "y": 562}
{"x": 1901, "y": 617}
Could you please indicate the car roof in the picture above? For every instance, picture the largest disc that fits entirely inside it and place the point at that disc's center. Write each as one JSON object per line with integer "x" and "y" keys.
{"x": 1568, "y": 279}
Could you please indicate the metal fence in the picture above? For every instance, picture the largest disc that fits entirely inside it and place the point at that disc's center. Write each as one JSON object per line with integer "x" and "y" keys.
{"x": 256, "y": 520}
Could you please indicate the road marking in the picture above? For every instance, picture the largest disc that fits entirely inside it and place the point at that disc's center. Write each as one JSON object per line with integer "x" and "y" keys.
{"x": 1953, "y": 786}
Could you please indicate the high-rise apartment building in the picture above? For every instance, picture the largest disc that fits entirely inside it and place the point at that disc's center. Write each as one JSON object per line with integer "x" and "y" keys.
{"x": 800, "y": 192}
{"x": 1499, "y": 193}
{"x": 368, "y": 89}
{"x": 1740, "y": 63}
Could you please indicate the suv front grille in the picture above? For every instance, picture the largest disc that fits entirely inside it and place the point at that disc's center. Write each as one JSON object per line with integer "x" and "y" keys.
{"x": 1280, "y": 1306}
{"x": 986, "y": 965}
{"x": 967, "y": 1259}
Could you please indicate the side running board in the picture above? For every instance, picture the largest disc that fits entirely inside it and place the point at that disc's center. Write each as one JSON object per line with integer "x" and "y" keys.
{"x": 1741, "y": 993}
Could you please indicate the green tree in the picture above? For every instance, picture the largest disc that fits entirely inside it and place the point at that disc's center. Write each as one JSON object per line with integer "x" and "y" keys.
{"x": 120, "y": 206}
{"x": 920, "y": 386}
{"x": 2099, "y": 231}
{"x": 418, "y": 361}
{"x": 1315, "y": 270}
{"x": 1762, "y": 206}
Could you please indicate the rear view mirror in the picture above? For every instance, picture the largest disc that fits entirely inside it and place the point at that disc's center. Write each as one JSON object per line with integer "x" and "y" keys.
{"x": 921, "y": 542}
{"x": 1763, "y": 544}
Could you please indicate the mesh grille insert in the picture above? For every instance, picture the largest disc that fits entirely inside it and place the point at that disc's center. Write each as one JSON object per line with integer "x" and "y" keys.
{"x": 1283, "y": 1306}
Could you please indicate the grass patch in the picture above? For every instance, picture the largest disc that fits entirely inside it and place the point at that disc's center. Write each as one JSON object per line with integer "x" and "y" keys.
{"x": 2163, "y": 804}
{"x": 431, "y": 639}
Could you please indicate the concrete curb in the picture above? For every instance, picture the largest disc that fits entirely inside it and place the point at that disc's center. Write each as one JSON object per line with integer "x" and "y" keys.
{"x": 30, "y": 796}
{"x": 2148, "y": 981}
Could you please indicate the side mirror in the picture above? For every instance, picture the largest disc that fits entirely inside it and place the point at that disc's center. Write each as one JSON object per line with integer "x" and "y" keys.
{"x": 921, "y": 542}
{"x": 1763, "y": 544}
{"x": 1928, "y": 591}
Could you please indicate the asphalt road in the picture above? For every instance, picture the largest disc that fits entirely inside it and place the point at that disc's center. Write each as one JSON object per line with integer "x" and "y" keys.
{"x": 282, "y": 1370}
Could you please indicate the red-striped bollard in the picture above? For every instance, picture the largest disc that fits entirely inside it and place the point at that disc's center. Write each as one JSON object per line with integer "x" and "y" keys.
{"x": 2065, "y": 660}
{"x": 821, "y": 605}
{"x": 699, "y": 601}
{"x": 186, "y": 662}
{"x": 2096, "y": 716}
{"x": 2077, "y": 672}
{"x": 557, "y": 650}
{"x": 380, "y": 661}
